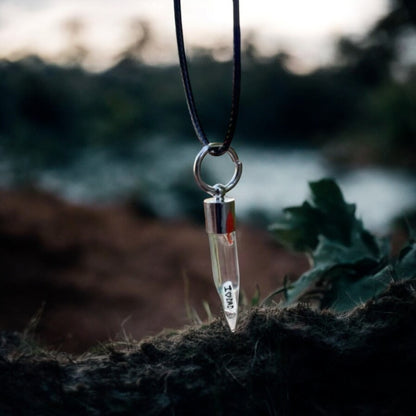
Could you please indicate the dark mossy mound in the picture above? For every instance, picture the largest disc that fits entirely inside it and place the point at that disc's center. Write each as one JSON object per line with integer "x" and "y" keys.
{"x": 294, "y": 361}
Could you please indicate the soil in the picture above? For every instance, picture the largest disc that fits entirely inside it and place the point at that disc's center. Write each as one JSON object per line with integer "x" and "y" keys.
{"x": 286, "y": 362}
{"x": 97, "y": 273}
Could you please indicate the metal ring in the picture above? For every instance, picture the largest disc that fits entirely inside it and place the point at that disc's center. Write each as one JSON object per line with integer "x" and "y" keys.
{"x": 217, "y": 189}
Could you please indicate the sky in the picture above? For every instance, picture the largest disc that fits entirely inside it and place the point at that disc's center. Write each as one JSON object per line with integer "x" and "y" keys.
{"x": 305, "y": 28}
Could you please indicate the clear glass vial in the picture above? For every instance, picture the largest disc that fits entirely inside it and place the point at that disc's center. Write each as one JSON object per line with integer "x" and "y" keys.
{"x": 220, "y": 226}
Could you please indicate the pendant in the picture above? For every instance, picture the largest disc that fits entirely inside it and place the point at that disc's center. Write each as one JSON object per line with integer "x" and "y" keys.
{"x": 220, "y": 225}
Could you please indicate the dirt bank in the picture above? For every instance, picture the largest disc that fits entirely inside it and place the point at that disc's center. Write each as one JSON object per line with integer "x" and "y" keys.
{"x": 288, "y": 362}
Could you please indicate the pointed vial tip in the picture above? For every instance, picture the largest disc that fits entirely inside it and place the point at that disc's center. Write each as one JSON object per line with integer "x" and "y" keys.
{"x": 232, "y": 322}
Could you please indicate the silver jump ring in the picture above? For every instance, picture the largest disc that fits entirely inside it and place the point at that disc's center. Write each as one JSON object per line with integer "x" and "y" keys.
{"x": 217, "y": 189}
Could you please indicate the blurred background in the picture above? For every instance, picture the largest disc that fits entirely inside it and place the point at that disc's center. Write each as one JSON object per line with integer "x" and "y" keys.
{"x": 100, "y": 218}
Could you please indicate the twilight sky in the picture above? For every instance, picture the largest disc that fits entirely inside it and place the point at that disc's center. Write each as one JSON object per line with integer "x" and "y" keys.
{"x": 305, "y": 28}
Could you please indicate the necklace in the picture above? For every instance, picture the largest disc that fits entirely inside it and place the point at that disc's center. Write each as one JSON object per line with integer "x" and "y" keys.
{"x": 219, "y": 209}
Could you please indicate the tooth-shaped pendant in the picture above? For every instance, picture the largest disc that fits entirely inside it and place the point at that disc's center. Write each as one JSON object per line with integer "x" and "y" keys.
{"x": 221, "y": 240}
{"x": 220, "y": 226}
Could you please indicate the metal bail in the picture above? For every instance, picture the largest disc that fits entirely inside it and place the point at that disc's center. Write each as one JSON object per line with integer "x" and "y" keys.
{"x": 219, "y": 215}
{"x": 213, "y": 189}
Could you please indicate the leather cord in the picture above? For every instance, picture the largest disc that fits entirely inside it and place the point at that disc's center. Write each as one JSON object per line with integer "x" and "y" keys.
{"x": 235, "y": 101}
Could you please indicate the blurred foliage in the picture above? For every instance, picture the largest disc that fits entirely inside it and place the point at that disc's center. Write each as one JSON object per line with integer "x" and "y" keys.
{"x": 350, "y": 265}
{"x": 386, "y": 116}
{"x": 63, "y": 109}
{"x": 326, "y": 216}
{"x": 48, "y": 113}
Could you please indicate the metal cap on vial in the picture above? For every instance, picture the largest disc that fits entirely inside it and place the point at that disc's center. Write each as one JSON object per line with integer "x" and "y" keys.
{"x": 219, "y": 215}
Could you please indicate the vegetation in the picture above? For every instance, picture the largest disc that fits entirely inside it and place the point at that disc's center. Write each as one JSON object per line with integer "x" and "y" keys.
{"x": 289, "y": 360}
{"x": 350, "y": 265}
{"x": 341, "y": 341}
{"x": 367, "y": 98}
{"x": 293, "y": 361}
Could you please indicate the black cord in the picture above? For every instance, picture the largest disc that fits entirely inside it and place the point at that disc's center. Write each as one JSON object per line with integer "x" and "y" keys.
{"x": 200, "y": 133}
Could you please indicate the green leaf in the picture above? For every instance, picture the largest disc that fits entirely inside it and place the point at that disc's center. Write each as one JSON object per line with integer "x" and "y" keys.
{"x": 325, "y": 214}
{"x": 304, "y": 286}
{"x": 351, "y": 285}
{"x": 299, "y": 227}
{"x": 339, "y": 216}
{"x": 350, "y": 264}
{"x": 406, "y": 265}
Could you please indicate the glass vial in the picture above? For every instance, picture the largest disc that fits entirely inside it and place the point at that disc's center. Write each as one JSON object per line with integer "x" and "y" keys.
{"x": 220, "y": 226}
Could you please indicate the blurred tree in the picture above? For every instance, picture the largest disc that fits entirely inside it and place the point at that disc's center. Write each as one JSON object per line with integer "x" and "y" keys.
{"x": 386, "y": 118}
{"x": 368, "y": 62}
{"x": 76, "y": 52}
{"x": 141, "y": 40}
{"x": 64, "y": 110}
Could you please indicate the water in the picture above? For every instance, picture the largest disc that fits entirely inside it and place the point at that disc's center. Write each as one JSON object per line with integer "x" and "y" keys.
{"x": 161, "y": 175}
{"x": 279, "y": 178}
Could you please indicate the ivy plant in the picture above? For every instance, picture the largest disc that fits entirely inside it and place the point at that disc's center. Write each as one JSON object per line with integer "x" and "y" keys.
{"x": 349, "y": 264}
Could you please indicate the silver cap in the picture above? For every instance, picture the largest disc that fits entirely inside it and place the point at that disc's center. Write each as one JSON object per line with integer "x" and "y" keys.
{"x": 219, "y": 215}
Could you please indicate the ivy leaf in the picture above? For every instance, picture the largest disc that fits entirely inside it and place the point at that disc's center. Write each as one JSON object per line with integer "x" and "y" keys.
{"x": 325, "y": 214}
{"x": 339, "y": 217}
{"x": 306, "y": 287}
{"x": 356, "y": 284}
{"x": 352, "y": 293}
{"x": 299, "y": 228}
{"x": 349, "y": 262}
{"x": 406, "y": 265}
